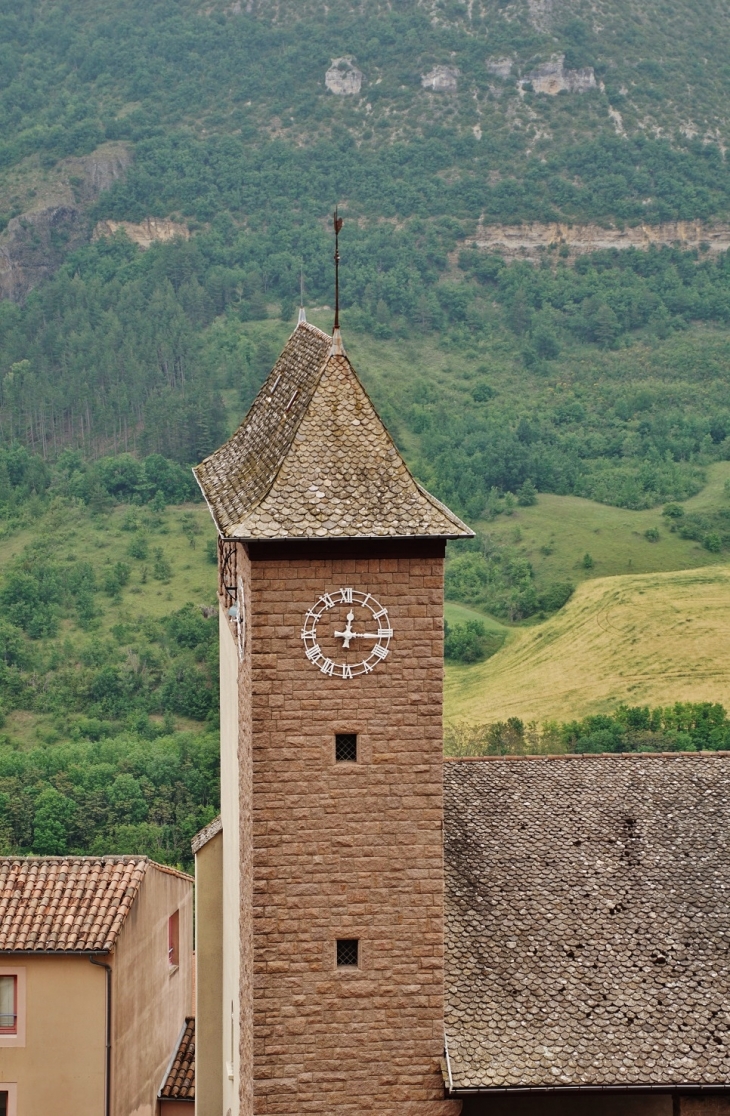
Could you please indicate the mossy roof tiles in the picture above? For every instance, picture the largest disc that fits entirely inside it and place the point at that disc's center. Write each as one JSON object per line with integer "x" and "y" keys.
{"x": 587, "y": 933}
{"x": 312, "y": 459}
{"x": 74, "y": 904}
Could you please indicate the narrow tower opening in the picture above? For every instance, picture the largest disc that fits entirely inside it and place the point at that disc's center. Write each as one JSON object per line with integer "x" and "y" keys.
{"x": 348, "y": 950}
{"x": 346, "y": 747}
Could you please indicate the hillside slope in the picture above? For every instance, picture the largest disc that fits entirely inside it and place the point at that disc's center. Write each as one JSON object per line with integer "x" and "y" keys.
{"x": 650, "y": 639}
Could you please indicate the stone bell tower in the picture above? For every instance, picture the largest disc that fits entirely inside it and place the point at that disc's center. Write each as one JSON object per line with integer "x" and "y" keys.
{"x": 331, "y": 591}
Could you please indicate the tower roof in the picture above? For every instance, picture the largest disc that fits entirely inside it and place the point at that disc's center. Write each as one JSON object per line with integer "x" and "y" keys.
{"x": 312, "y": 459}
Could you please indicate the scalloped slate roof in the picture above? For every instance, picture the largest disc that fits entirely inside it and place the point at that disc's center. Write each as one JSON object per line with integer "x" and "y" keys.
{"x": 72, "y": 904}
{"x": 587, "y": 928}
{"x": 313, "y": 460}
{"x": 180, "y": 1077}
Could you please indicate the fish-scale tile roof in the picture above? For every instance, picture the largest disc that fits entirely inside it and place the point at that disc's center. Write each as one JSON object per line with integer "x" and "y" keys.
{"x": 312, "y": 459}
{"x": 587, "y": 934}
{"x": 179, "y": 1080}
{"x": 66, "y": 904}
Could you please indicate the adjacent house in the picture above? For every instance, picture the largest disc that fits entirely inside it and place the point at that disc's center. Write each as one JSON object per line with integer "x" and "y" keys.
{"x": 95, "y": 983}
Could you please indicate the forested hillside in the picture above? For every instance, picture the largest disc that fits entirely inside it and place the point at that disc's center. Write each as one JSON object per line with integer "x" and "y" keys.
{"x": 232, "y": 130}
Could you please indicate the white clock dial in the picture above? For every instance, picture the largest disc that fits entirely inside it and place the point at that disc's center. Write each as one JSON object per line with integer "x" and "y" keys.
{"x": 346, "y": 633}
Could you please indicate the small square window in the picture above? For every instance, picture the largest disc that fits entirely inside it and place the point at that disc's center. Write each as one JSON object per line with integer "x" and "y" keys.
{"x": 346, "y": 747}
{"x": 173, "y": 938}
{"x": 347, "y": 953}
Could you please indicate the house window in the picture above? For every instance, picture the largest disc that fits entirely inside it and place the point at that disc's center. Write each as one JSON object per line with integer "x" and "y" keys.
{"x": 173, "y": 939}
{"x": 347, "y": 953}
{"x": 8, "y": 1006}
{"x": 12, "y": 1012}
{"x": 8, "y": 1099}
{"x": 346, "y": 747}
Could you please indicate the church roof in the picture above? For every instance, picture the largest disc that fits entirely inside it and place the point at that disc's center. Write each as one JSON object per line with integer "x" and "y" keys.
{"x": 587, "y": 936}
{"x": 312, "y": 459}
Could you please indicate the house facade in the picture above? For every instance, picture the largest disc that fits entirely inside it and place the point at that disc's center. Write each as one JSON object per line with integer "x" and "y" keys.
{"x": 95, "y": 981}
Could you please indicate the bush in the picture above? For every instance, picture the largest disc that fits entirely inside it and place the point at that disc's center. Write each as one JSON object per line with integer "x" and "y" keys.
{"x": 139, "y": 547}
{"x": 466, "y": 643}
{"x": 651, "y": 534}
{"x": 161, "y": 568}
{"x": 527, "y": 494}
{"x": 712, "y": 542}
{"x": 555, "y": 596}
{"x": 673, "y": 511}
{"x": 587, "y": 561}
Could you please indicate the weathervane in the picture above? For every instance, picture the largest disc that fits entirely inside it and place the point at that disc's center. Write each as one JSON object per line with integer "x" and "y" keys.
{"x": 337, "y": 221}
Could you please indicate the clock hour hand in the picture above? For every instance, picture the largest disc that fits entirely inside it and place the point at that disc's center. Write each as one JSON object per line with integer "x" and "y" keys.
{"x": 348, "y": 633}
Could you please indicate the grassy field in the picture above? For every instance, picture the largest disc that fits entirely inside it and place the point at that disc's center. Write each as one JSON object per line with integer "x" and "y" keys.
{"x": 642, "y": 639}
{"x": 558, "y": 531}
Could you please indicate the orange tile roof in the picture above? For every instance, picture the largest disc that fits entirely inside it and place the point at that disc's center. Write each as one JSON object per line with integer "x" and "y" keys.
{"x": 179, "y": 1080}
{"x": 74, "y": 904}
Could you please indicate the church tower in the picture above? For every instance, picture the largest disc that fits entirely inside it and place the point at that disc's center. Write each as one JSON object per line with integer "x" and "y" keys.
{"x": 331, "y": 590}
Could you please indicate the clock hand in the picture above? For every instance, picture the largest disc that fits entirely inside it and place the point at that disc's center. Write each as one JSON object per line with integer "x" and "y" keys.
{"x": 347, "y": 635}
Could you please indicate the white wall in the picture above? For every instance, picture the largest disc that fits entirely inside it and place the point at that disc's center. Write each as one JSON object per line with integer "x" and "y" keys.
{"x": 231, "y": 866}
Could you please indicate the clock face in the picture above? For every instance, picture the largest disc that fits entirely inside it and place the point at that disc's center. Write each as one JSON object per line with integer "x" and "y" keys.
{"x": 346, "y": 633}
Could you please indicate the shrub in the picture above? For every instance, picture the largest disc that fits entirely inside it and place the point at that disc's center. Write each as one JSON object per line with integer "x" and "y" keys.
{"x": 712, "y": 542}
{"x": 466, "y": 643}
{"x": 555, "y": 596}
{"x": 139, "y": 547}
{"x": 527, "y": 494}
{"x": 651, "y": 534}
{"x": 161, "y": 568}
{"x": 587, "y": 561}
{"x": 673, "y": 511}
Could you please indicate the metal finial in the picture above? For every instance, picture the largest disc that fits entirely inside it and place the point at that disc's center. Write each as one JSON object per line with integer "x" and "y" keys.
{"x": 337, "y": 225}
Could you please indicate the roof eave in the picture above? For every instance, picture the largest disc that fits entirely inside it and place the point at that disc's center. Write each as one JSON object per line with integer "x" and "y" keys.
{"x": 671, "y": 1087}
{"x": 342, "y": 538}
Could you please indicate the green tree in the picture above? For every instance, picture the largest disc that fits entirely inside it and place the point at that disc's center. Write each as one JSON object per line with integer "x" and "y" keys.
{"x": 52, "y": 823}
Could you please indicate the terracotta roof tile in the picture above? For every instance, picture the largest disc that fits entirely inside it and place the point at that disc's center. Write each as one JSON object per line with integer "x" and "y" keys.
{"x": 312, "y": 459}
{"x": 66, "y": 904}
{"x": 180, "y": 1078}
{"x": 587, "y": 938}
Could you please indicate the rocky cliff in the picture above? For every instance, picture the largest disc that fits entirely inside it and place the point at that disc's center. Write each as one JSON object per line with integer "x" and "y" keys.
{"x": 530, "y": 241}
{"x": 34, "y": 245}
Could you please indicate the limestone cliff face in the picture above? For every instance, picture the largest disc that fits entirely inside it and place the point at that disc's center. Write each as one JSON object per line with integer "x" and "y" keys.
{"x": 441, "y": 79}
{"x": 552, "y": 78}
{"x": 343, "y": 78}
{"x": 34, "y": 245}
{"x": 145, "y": 233}
{"x": 530, "y": 241}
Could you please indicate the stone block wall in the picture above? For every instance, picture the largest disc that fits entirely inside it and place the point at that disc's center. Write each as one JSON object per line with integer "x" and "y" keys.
{"x": 347, "y": 850}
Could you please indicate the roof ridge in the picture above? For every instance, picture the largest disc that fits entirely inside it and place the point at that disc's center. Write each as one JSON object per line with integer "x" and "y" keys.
{"x": 170, "y": 871}
{"x": 592, "y": 755}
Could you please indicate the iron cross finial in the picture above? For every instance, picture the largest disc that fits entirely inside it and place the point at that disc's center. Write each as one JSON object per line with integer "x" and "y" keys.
{"x": 337, "y": 222}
